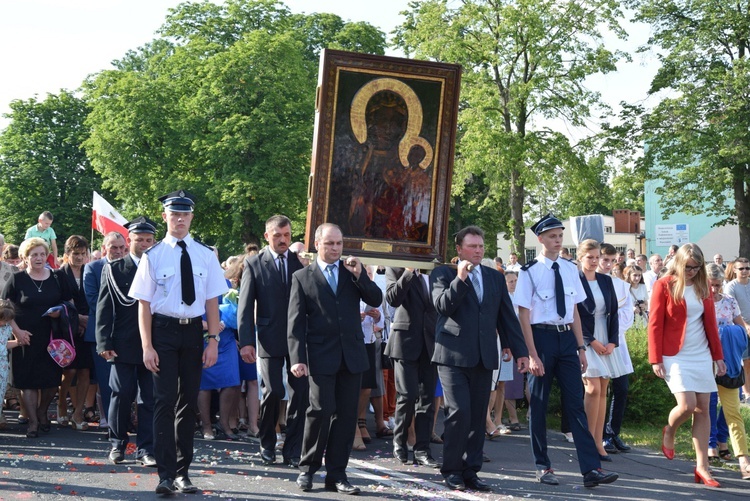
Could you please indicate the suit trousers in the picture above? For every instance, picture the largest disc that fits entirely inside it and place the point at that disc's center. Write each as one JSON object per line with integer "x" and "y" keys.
{"x": 101, "y": 372}
{"x": 415, "y": 390}
{"x": 272, "y": 385}
{"x": 466, "y": 393}
{"x": 330, "y": 421}
{"x": 127, "y": 382}
{"x": 176, "y": 385}
{"x": 557, "y": 351}
{"x": 619, "y": 388}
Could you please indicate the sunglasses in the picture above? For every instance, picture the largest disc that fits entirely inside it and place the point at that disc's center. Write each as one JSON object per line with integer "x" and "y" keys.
{"x": 693, "y": 268}
{"x": 743, "y": 268}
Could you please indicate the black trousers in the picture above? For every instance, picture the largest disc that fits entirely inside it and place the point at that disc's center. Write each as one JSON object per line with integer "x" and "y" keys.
{"x": 619, "y": 388}
{"x": 466, "y": 391}
{"x": 272, "y": 385}
{"x": 127, "y": 382}
{"x": 330, "y": 421}
{"x": 176, "y": 385}
{"x": 415, "y": 395}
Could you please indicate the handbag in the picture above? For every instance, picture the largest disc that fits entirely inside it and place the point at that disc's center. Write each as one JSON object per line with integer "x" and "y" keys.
{"x": 731, "y": 382}
{"x": 62, "y": 351}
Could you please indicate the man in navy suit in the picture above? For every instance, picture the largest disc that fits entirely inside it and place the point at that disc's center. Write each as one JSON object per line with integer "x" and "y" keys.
{"x": 473, "y": 307}
{"x": 115, "y": 247}
{"x": 326, "y": 343}
{"x": 262, "y": 316}
{"x": 118, "y": 342}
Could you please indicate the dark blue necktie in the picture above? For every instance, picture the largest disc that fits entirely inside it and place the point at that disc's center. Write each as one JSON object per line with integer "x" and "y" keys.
{"x": 186, "y": 275}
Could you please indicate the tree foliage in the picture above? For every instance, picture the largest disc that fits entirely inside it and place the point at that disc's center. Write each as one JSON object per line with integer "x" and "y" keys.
{"x": 525, "y": 63}
{"x": 222, "y": 105}
{"x": 44, "y": 168}
{"x": 698, "y": 136}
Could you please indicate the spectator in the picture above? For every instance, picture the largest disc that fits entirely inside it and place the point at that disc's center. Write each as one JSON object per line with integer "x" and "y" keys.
{"x": 739, "y": 289}
{"x": 656, "y": 263}
{"x": 719, "y": 260}
{"x": 513, "y": 264}
{"x": 43, "y": 229}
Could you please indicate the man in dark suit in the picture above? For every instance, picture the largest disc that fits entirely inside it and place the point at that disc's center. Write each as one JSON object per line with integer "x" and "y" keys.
{"x": 326, "y": 343}
{"x": 118, "y": 341}
{"x": 263, "y": 307}
{"x": 473, "y": 307}
{"x": 411, "y": 345}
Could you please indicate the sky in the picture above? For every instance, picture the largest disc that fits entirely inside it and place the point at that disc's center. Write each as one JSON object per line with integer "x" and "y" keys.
{"x": 55, "y": 44}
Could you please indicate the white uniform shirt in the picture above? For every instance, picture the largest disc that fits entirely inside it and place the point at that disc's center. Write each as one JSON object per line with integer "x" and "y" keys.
{"x": 158, "y": 278}
{"x": 513, "y": 267}
{"x": 540, "y": 297}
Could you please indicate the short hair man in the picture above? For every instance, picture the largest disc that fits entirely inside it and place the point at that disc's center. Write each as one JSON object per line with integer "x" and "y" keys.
{"x": 649, "y": 277}
{"x": 178, "y": 280}
{"x": 325, "y": 343}
{"x": 513, "y": 264}
{"x": 43, "y": 229}
{"x": 473, "y": 308}
{"x": 118, "y": 341}
{"x": 547, "y": 293}
{"x": 299, "y": 249}
{"x": 719, "y": 259}
{"x": 262, "y": 316}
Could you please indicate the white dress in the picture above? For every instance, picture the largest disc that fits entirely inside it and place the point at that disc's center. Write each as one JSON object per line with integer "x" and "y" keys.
{"x": 692, "y": 368}
{"x": 608, "y": 366}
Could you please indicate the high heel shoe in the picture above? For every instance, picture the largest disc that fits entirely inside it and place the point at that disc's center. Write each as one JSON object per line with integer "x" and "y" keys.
{"x": 708, "y": 481}
{"x": 668, "y": 453}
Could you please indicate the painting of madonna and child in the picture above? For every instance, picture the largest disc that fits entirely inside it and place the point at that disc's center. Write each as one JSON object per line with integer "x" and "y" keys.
{"x": 383, "y": 154}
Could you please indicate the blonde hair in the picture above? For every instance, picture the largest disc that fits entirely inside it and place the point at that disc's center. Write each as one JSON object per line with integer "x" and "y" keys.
{"x": 677, "y": 270}
{"x": 31, "y": 243}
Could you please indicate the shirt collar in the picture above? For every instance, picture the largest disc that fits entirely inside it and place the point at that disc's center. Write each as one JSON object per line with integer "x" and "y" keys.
{"x": 172, "y": 241}
{"x": 546, "y": 261}
{"x": 275, "y": 255}
{"x": 323, "y": 265}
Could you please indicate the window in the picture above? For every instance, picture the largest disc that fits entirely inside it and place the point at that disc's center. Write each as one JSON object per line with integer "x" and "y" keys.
{"x": 530, "y": 254}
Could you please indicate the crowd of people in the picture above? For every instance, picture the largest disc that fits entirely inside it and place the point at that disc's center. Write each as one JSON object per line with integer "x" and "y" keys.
{"x": 290, "y": 349}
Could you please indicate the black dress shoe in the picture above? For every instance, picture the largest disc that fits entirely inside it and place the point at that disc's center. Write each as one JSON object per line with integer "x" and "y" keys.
{"x": 605, "y": 458}
{"x": 596, "y": 477}
{"x": 401, "y": 454}
{"x": 455, "y": 482}
{"x": 477, "y": 485}
{"x": 116, "y": 456}
{"x": 342, "y": 487}
{"x": 609, "y": 446}
{"x": 621, "y": 446}
{"x": 267, "y": 457}
{"x": 293, "y": 462}
{"x": 146, "y": 460}
{"x": 166, "y": 486}
{"x": 424, "y": 459}
{"x": 184, "y": 484}
{"x": 304, "y": 481}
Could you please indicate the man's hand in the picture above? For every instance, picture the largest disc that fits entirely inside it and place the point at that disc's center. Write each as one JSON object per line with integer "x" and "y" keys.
{"x": 299, "y": 370}
{"x": 462, "y": 269}
{"x": 536, "y": 367}
{"x": 108, "y": 355}
{"x": 523, "y": 365}
{"x": 210, "y": 354}
{"x": 248, "y": 354}
{"x": 151, "y": 360}
{"x": 354, "y": 265}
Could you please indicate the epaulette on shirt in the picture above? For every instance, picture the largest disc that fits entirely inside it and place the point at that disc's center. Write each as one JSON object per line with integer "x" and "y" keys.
{"x": 153, "y": 247}
{"x": 529, "y": 265}
{"x": 204, "y": 245}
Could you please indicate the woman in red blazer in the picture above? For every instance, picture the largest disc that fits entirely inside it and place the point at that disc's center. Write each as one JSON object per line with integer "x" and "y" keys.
{"x": 683, "y": 345}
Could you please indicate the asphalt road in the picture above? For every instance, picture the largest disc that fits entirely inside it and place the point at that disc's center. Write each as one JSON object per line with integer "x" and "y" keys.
{"x": 72, "y": 464}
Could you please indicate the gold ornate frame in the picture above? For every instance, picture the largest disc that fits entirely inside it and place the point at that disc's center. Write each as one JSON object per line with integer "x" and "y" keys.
{"x": 382, "y": 158}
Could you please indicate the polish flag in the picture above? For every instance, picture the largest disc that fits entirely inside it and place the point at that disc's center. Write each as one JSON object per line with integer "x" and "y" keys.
{"x": 105, "y": 218}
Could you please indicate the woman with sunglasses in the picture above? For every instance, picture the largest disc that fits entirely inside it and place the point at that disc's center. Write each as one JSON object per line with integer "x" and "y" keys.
{"x": 683, "y": 341}
{"x": 738, "y": 287}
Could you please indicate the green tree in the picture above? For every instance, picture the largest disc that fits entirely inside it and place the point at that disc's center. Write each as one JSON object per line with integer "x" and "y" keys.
{"x": 223, "y": 106}
{"x": 525, "y": 63}
{"x": 42, "y": 167}
{"x": 698, "y": 136}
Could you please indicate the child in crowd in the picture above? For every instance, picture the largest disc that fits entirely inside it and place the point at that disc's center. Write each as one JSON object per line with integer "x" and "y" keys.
{"x": 43, "y": 229}
{"x": 7, "y": 342}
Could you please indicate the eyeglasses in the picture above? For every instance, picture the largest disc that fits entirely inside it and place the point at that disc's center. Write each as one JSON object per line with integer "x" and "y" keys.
{"x": 743, "y": 269}
{"x": 693, "y": 268}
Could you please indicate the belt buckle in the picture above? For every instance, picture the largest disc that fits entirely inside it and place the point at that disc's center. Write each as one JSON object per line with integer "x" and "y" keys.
{"x": 561, "y": 327}
{"x": 184, "y": 321}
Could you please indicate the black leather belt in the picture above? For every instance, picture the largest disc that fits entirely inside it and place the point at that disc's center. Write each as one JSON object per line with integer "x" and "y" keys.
{"x": 179, "y": 321}
{"x": 549, "y": 327}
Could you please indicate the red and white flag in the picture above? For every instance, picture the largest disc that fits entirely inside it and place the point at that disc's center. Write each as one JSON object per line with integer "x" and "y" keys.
{"x": 105, "y": 218}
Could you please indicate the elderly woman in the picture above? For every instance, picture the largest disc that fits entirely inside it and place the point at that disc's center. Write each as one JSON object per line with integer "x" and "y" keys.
{"x": 683, "y": 345}
{"x": 76, "y": 255}
{"x": 33, "y": 291}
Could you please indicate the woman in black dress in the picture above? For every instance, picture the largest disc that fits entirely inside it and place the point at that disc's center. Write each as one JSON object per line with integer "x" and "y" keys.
{"x": 33, "y": 291}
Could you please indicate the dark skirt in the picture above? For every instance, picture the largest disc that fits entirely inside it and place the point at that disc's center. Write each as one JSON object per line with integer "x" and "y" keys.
{"x": 369, "y": 377}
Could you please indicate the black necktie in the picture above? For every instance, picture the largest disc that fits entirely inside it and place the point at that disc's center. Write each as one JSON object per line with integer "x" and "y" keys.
{"x": 282, "y": 270}
{"x": 186, "y": 275}
{"x": 559, "y": 291}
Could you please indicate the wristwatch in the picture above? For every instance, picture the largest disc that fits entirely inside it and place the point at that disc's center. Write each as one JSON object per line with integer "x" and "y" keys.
{"x": 582, "y": 347}
{"x": 217, "y": 337}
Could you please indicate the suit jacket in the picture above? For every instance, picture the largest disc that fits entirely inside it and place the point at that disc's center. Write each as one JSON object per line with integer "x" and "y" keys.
{"x": 324, "y": 326}
{"x": 117, "y": 323}
{"x": 79, "y": 298}
{"x": 264, "y": 304}
{"x": 466, "y": 331}
{"x": 92, "y": 275}
{"x": 413, "y": 325}
{"x": 667, "y": 322}
{"x": 587, "y": 308}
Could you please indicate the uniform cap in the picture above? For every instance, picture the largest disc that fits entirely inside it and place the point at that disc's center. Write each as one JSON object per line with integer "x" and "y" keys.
{"x": 178, "y": 201}
{"x": 546, "y": 223}
{"x": 141, "y": 224}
